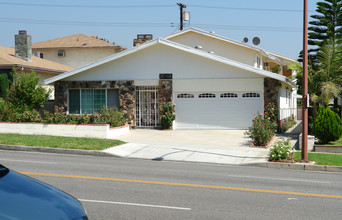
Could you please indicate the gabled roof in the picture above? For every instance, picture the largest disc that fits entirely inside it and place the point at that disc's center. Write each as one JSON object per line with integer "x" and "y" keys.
{"x": 269, "y": 54}
{"x": 174, "y": 45}
{"x": 74, "y": 41}
{"x": 8, "y": 60}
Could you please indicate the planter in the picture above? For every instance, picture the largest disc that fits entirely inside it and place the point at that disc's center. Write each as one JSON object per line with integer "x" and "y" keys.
{"x": 66, "y": 130}
{"x": 328, "y": 148}
{"x": 267, "y": 146}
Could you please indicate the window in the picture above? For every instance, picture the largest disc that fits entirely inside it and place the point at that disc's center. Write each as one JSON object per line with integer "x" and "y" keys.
{"x": 228, "y": 95}
{"x": 61, "y": 54}
{"x": 38, "y": 54}
{"x": 258, "y": 62}
{"x": 91, "y": 100}
{"x": 185, "y": 96}
{"x": 206, "y": 95}
{"x": 250, "y": 95}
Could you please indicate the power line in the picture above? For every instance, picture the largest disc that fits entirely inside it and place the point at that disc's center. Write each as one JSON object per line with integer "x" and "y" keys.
{"x": 249, "y": 9}
{"x": 85, "y": 6}
{"x": 83, "y": 23}
{"x": 133, "y": 24}
{"x": 152, "y": 6}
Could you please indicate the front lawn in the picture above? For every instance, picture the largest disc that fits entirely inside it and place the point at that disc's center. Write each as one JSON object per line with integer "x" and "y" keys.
{"x": 322, "y": 158}
{"x": 58, "y": 142}
{"x": 338, "y": 142}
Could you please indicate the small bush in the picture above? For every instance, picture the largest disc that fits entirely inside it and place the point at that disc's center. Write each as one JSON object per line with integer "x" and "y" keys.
{"x": 282, "y": 150}
{"x": 168, "y": 116}
{"x": 262, "y": 130}
{"x": 327, "y": 126}
{"x": 27, "y": 116}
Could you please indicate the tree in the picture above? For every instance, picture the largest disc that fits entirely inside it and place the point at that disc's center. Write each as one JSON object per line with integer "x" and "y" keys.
{"x": 25, "y": 93}
{"x": 326, "y": 25}
{"x": 328, "y": 74}
{"x": 325, "y": 79}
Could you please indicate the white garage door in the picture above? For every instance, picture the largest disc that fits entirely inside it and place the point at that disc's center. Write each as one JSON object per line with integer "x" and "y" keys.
{"x": 225, "y": 110}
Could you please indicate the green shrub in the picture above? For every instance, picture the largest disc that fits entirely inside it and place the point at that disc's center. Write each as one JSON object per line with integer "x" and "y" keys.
{"x": 111, "y": 116}
{"x": 25, "y": 93}
{"x": 262, "y": 130}
{"x": 271, "y": 112}
{"x": 282, "y": 150}
{"x": 169, "y": 115}
{"x": 289, "y": 123}
{"x": 4, "y": 85}
{"x": 327, "y": 126}
{"x": 27, "y": 116}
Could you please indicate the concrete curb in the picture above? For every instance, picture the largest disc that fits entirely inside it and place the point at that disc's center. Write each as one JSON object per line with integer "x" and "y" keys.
{"x": 275, "y": 165}
{"x": 301, "y": 166}
{"x": 55, "y": 150}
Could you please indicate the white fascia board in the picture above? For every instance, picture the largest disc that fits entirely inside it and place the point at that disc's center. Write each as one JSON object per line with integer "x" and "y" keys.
{"x": 100, "y": 62}
{"x": 228, "y": 40}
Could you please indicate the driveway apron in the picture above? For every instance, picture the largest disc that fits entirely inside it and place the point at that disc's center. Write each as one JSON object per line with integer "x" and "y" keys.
{"x": 207, "y": 146}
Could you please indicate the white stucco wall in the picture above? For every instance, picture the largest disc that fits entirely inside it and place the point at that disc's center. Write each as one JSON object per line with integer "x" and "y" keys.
{"x": 148, "y": 63}
{"x": 66, "y": 130}
{"x": 219, "y": 47}
{"x": 76, "y": 57}
{"x": 287, "y": 102}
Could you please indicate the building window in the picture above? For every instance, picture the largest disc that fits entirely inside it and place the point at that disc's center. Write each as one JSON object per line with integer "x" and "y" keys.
{"x": 206, "y": 95}
{"x": 228, "y": 95}
{"x": 88, "y": 101}
{"x": 39, "y": 54}
{"x": 250, "y": 95}
{"x": 258, "y": 62}
{"x": 61, "y": 54}
{"x": 185, "y": 96}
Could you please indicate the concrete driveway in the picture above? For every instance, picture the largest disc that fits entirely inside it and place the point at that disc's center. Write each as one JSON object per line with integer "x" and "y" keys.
{"x": 208, "y": 146}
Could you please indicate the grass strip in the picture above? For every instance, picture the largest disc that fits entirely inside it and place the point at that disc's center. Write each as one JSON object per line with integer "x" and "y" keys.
{"x": 322, "y": 158}
{"x": 58, "y": 142}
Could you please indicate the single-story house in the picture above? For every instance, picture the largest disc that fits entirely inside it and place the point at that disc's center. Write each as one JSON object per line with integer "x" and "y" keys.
{"x": 215, "y": 82}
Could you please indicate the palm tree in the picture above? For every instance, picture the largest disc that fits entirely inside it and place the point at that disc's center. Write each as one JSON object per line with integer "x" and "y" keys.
{"x": 327, "y": 76}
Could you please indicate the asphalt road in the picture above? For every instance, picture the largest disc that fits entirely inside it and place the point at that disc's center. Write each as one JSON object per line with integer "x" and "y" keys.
{"x": 116, "y": 188}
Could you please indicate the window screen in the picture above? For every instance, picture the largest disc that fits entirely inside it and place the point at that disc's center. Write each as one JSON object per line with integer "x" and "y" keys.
{"x": 74, "y": 101}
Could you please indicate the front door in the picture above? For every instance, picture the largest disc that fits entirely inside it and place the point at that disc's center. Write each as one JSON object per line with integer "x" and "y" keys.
{"x": 147, "y": 106}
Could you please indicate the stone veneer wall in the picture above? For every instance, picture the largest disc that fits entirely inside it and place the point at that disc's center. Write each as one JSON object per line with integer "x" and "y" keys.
{"x": 271, "y": 92}
{"x": 165, "y": 94}
{"x": 126, "y": 93}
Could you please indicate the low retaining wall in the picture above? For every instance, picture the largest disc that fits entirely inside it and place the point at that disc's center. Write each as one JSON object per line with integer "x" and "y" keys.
{"x": 66, "y": 130}
{"x": 328, "y": 148}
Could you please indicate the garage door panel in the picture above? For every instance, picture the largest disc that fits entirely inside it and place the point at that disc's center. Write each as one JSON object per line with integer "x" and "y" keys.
{"x": 228, "y": 110}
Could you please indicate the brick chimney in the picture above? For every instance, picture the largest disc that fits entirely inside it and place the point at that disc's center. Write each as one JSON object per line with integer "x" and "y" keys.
{"x": 23, "y": 46}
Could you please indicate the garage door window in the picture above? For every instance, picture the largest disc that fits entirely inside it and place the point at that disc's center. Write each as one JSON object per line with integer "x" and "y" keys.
{"x": 206, "y": 95}
{"x": 250, "y": 95}
{"x": 228, "y": 95}
{"x": 185, "y": 96}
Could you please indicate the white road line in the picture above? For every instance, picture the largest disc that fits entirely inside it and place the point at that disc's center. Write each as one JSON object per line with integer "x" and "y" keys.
{"x": 135, "y": 204}
{"x": 280, "y": 179}
{"x": 27, "y": 161}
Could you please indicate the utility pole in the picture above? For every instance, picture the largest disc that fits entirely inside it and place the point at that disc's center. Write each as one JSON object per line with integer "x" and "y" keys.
{"x": 305, "y": 104}
{"x": 181, "y": 6}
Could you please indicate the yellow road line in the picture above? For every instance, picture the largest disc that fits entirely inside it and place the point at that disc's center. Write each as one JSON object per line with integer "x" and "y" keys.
{"x": 185, "y": 184}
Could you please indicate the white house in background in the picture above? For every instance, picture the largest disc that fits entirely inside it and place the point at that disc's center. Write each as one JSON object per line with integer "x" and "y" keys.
{"x": 75, "y": 50}
{"x": 215, "y": 82}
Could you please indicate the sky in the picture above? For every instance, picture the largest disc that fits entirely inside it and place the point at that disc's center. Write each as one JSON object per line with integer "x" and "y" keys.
{"x": 278, "y": 23}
